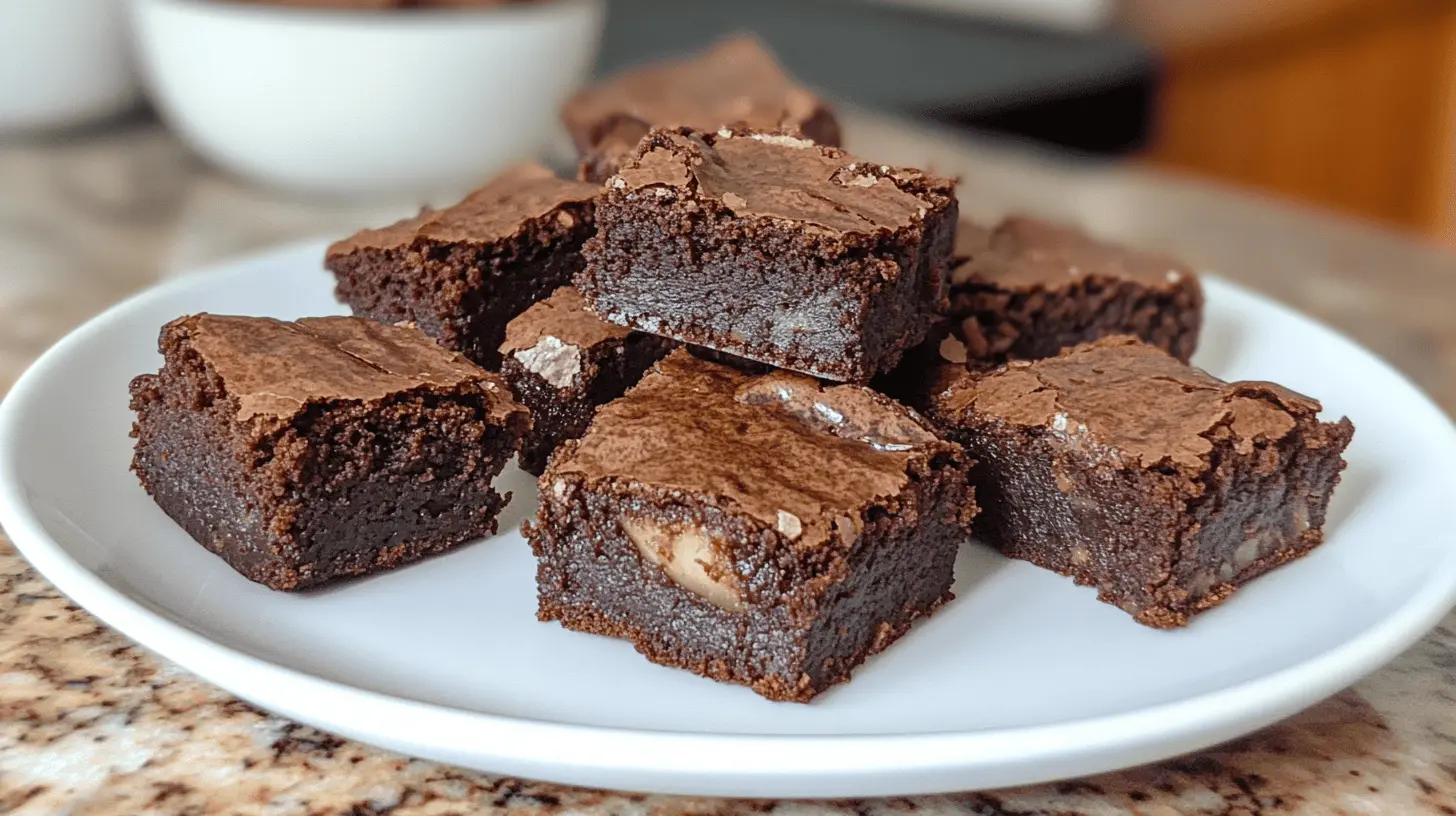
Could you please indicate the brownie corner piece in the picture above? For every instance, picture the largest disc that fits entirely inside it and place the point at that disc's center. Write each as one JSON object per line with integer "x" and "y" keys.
{"x": 767, "y": 530}
{"x": 462, "y": 273}
{"x": 1030, "y": 288}
{"x": 771, "y": 248}
{"x": 562, "y": 362}
{"x": 1160, "y": 485}
{"x": 304, "y": 452}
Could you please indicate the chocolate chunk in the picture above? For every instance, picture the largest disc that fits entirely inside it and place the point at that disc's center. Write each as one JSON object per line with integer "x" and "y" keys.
{"x": 764, "y": 530}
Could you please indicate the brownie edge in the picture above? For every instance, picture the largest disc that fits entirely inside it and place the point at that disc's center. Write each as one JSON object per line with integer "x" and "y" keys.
{"x": 761, "y": 530}
{"x": 302, "y": 453}
{"x": 1158, "y": 484}
{"x": 771, "y": 248}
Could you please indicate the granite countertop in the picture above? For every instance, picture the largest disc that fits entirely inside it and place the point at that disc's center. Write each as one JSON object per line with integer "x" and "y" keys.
{"x": 91, "y": 724}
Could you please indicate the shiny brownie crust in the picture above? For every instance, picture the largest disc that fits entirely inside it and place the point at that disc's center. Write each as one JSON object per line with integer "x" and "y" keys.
{"x": 839, "y": 304}
{"x": 1168, "y": 520}
{"x": 765, "y": 530}
{"x": 340, "y": 489}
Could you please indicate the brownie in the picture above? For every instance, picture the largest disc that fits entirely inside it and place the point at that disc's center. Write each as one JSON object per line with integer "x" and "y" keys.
{"x": 1030, "y": 288}
{"x": 763, "y": 530}
{"x": 563, "y": 362}
{"x": 461, "y": 274}
{"x": 736, "y": 83}
{"x": 771, "y": 248}
{"x": 1160, "y": 485}
{"x": 335, "y": 446}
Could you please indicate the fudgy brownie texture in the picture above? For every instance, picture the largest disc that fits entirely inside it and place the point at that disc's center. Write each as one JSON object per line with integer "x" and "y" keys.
{"x": 735, "y": 83}
{"x": 462, "y": 273}
{"x": 763, "y": 530}
{"x": 1160, "y": 485}
{"x": 771, "y": 248}
{"x": 331, "y": 447}
{"x": 1029, "y": 288}
{"x": 563, "y": 362}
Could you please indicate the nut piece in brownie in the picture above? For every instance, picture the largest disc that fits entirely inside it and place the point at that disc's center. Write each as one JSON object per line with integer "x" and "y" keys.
{"x": 562, "y": 362}
{"x": 771, "y": 248}
{"x": 331, "y": 447}
{"x": 461, "y": 274}
{"x": 734, "y": 83}
{"x": 762, "y": 530}
{"x": 1160, "y": 485}
{"x": 1030, "y": 288}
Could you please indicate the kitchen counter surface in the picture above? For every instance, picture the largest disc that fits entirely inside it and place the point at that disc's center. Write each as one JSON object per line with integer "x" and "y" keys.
{"x": 91, "y": 724}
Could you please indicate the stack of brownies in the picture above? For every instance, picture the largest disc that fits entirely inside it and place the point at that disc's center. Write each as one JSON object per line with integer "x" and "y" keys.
{"x": 770, "y": 390}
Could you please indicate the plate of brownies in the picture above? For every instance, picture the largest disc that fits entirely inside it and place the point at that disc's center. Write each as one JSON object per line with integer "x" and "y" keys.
{"x": 739, "y": 466}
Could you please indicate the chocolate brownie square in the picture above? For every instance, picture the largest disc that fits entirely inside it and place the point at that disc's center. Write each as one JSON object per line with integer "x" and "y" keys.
{"x": 331, "y": 447}
{"x": 771, "y": 248}
{"x": 762, "y": 530}
{"x": 1030, "y": 288}
{"x": 563, "y": 362}
{"x": 1160, "y": 485}
{"x": 735, "y": 83}
{"x": 462, "y": 273}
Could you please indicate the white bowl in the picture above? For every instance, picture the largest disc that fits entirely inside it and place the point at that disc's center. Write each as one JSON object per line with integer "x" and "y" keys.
{"x": 63, "y": 62}
{"x": 348, "y": 102}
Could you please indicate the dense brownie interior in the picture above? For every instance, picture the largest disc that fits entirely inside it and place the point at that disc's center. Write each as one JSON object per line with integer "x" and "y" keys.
{"x": 763, "y": 530}
{"x": 1030, "y": 288}
{"x": 770, "y": 248}
{"x": 735, "y": 83}
{"x": 303, "y": 452}
{"x": 462, "y": 273}
{"x": 1159, "y": 484}
{"x": 562, "y": 362}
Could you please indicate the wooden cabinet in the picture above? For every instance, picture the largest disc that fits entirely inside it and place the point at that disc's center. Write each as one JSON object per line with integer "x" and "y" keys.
{"x": 1341, "y": 103}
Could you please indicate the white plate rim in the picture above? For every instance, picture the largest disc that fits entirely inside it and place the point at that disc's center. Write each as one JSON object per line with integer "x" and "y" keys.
{"x": 740, "y": 765}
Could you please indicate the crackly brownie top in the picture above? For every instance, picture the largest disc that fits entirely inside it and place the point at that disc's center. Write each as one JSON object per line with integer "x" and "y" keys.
{"x": 495, "y": 212}
{"x": 1027, "y": 252}
{"x": 774, "y": 175}
{"x": 276, "y": 368}
{"x": 1122, "y": 397}
{"x": 736, "y": 82}
{"x": 798, "y": 456}
{"x": 548, "y": 339}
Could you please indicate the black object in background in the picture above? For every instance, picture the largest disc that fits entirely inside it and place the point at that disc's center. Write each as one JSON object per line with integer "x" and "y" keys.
{"x": 1085, "y": 91}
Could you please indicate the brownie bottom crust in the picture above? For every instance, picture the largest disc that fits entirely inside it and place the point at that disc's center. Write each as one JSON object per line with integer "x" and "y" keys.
{"x": 788, "y": 647}
{"x": 358, "y": 492}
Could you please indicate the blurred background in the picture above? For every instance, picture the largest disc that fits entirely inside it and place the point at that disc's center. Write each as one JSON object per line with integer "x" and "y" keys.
{"x": 1343, "y": 104}
{"x": 141, "y": 138}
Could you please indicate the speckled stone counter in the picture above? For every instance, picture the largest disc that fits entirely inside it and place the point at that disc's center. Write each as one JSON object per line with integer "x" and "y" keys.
{"x": 91, "y": 724}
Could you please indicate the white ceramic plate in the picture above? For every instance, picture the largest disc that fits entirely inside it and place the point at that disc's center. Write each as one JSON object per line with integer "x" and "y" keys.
{"x": 1023, "y": 678}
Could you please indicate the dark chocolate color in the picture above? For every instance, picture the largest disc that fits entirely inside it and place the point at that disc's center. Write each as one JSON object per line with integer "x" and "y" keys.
{"x": 563, "y": 362}
{"x": 763, "y": 530}
{"x": 1162, "y": 486}
{"x": 770, "y": 248}
{"x": 1030, "y": 288}
{"x": 306, "y": 452}
{"x": 735, "y": 83}
{"x": 462, "y": 273}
